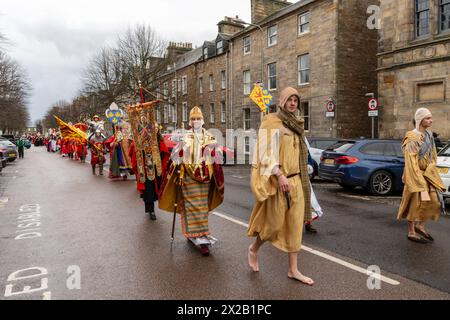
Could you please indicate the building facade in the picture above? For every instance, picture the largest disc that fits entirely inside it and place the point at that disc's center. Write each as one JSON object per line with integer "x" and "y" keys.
{"x": 414, "y": 64}
{"x": 323, "y": 48}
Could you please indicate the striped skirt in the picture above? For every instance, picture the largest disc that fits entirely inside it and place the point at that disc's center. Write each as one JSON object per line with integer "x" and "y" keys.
{"x": 194, "y": 217}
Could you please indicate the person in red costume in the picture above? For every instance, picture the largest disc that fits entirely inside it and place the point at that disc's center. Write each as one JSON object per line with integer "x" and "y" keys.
{"x": 97, "y": 152}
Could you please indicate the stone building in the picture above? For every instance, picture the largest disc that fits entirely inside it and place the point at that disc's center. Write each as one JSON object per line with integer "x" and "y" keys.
{"x": 414, "y": 64}
{"x": 321, "y": 47}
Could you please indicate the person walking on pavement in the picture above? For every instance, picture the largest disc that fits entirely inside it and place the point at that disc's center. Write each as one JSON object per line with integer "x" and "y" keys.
{"x": 98, "y": 152}
{"x": 21, "y": 146}
{"x": 280, "y": 183}
{"x": 422, "y": 195}
{"x": 194, "y": 185}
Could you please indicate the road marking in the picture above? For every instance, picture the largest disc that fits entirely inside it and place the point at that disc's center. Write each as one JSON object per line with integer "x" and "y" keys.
{"x": 239, "y": 177}
{"x": 4, "y": 200}
{"x": 318, "y": 253}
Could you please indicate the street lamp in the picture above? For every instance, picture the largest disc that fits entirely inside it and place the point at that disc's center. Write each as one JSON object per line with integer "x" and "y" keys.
{"x": 240, "y": 21}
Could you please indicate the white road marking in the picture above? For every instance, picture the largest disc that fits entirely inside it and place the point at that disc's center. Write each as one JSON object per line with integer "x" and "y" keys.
{"x": 14, "y": 177}
{"x": 4, "y": 200}
{"x": 239, "y": 177}
{"x": 318, "y": 253}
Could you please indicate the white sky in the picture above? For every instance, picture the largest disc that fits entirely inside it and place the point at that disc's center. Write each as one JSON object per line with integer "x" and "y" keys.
{"x": 54, "y": 40}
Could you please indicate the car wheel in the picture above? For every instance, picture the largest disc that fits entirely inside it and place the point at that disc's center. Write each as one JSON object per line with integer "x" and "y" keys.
{"x": 381, "y": 183}
{"x": 347, "y": 187}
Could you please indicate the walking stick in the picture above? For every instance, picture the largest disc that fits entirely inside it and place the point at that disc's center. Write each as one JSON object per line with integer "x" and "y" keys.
{"x": 178, "y": 187}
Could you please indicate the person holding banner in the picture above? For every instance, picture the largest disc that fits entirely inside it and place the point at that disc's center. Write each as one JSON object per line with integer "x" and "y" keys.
{"x": 280, "y": 184}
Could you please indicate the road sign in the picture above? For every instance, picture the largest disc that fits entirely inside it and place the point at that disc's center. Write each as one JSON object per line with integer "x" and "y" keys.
{"x": 373, "y": 104}
{"x": 373, "y": 113}
{"x": 331, "y": 106}
{"x": 329, "y": 114}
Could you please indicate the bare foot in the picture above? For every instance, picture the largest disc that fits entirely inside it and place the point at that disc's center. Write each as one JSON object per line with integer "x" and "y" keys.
{"x": 299, "y": 277}
{"x": 253, "y": 259}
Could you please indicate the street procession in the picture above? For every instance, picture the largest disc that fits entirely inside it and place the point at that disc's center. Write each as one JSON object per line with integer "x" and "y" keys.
{"x": 281, "y": 155}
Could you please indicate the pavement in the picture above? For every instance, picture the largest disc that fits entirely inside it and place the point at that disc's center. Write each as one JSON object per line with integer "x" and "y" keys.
{"x": 66, "y": 234}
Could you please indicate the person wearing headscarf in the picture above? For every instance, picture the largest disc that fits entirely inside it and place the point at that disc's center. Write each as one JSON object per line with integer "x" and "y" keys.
{"x": 422, "y": 195}
{"x": 280, "y": 184}
{"x": 194, "y": 182}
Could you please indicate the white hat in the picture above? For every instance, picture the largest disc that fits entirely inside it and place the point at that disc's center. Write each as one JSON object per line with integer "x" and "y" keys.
{"x": 421, "y": 114}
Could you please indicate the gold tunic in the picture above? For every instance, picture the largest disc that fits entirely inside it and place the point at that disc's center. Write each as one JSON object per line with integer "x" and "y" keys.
{"x": 419, "y": 175}
{"x": 271, "y": 219}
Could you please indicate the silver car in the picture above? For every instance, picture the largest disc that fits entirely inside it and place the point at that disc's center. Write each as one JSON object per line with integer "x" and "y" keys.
{"x": 8, "y": 149}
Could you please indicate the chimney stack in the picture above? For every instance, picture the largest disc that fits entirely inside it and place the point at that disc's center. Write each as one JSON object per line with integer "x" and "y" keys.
{"x": 230, "y": 26}
{"x": 176, "y": 49}
{"x": 261, "y": 9}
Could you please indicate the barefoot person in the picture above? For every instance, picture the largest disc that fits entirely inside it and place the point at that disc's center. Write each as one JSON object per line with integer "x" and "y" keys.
{"x": 280, "y": 183}
{"x": 421, "y": 199}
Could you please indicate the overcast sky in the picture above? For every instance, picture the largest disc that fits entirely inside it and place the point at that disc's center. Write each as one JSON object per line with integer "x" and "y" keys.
{"x": 54, "y": 39}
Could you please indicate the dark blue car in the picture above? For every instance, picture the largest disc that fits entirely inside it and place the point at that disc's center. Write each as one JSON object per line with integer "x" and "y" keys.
{"x": 375, "y": 165}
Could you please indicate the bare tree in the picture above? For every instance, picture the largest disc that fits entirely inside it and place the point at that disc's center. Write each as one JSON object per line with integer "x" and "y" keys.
{"x": 142, "y": 55}
{"x": 104, "y": 76}
{"x": 14, "y": 92}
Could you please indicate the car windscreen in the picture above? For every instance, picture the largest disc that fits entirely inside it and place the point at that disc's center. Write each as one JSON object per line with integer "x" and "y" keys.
{"x": 341, "y": 146}
{"x": 324, "y": 144}
{"x": 445, "y": 152}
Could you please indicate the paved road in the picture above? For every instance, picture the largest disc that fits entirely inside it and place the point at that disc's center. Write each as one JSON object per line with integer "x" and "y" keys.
{"x": 97, "y": 228}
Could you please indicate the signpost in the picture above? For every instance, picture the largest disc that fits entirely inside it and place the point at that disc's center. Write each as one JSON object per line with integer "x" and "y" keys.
{"x": 373, "y": 112}
{"x": 331, "y": 108}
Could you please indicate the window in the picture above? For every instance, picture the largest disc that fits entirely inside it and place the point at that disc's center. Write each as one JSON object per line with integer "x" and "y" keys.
{"x": 165, "y": 114}
{"x": 303, "y": 69}
{"x": 247, "y": 145}
{"x": 374, "y": 149}
{"x": 200, "y": 85}
{"x": 247, "y": 82}
{"x": 219, "y": 47}
{"x": 223, "y": 112}
{"x": 211, "y": 82}
{"x": 272, "y": 73}
{"x": 166, "y": 90}
{"x": 247, "y": 45}
{"x": 223, "y": 80}
{"x": 179, "y": 85}
{"x": 158, "y": 92}
{"x": 202, "y": 108}
{"x": 174, "y": 88}
{"x": 212, "y": 113}
{"x": 422, "y": 17}
{"x": 444, "y": 10}
{"x": 272, "y": 35}
{"x": 158, "y": 116}
{"x": 174, "y": 113}
{"x": 303, "y": 23}
{"x": 246, "y": 118}
{"x": 205, "y": 52}
{"x": 184, "y": 85}
{"x": 305, "y": 113}
{"x": 184, "y": 112}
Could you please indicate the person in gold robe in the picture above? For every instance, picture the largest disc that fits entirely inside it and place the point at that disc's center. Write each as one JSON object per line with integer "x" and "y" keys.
{"x": 194, "y": 182}
{"x": 280, "y": 184}
{"x": 422, "y": 199}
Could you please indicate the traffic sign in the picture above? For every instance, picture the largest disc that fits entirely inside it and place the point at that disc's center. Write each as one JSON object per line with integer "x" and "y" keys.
{"x": 373, "y": 104}
{"x": 331, "y": 106}
{"x": 373, "y": 113}
{"x": 329, "y": 115}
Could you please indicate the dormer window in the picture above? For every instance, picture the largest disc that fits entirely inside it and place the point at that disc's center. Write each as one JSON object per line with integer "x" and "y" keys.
{"x": 219, "y": 47}
{"x": 205, "y": 52}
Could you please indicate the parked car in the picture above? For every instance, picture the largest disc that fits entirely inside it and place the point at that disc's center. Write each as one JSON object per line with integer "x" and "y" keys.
{"x": 8, "y": 149}
{"x": 172, "y": 139}
{"x": 443, "y": 164}
{"x": 375, "y": 165}
{"x": 3, "y": 161}
{"x": 9, "y": 137}
{"x": 317, "y": 146}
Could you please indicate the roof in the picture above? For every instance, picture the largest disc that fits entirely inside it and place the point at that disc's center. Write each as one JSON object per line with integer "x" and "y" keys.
{"x": 189, "y": 58}
{"x": 293, "y": 7}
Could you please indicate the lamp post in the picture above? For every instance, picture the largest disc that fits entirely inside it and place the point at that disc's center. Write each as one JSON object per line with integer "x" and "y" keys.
{"x": 239, "y": 21}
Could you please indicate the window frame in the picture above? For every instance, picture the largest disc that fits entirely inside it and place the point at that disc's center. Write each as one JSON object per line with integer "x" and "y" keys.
{"x": 200, "y": 85}
{"x": 300, "y": 25}
{"x": 269, "y": 77}
{"x": 441, "y": 5}
{"x": 223, "y": 80}
{"x": 219, "y": 50}
{"x": 211, "y": 82}
{"x": 205, "y": 55}
{"x": 184, "y": 90}
{"x": 270, "y": 37}
{"x": 300, "y": 70}
{"x": 184, "y": 111}
{"x": 245, "y": 120}
{"x": 249, "y": 83}
{"x": 417, "y": 12}
{"x": 249, "y": 45}
{"x": 212, "y": 113}
{"x": 307, "y": 118}
{"x": 223, "y": 112}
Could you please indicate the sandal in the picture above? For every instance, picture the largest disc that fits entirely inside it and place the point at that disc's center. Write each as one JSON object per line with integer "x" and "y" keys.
{"x": 417, "y": 239}
{"x": 424, "y": 234}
